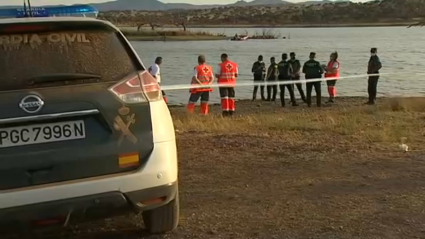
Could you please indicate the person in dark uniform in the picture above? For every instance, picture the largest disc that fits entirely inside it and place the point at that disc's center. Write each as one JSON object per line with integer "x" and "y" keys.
{"x": 272, "y": 74}
{"x": 259, "y": 71}
{"x": 296, "y": 72}
{"x": 313, "y": 70}
{"x": 285, "y": 72}
{"x": 373, "y": 68}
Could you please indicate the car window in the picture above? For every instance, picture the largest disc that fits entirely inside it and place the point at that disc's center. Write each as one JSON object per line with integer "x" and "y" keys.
{"x": 27, "y": 55}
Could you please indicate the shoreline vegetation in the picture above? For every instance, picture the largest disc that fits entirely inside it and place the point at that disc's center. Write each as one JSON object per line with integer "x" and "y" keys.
{"x": 178, "y": 34}
{"x": 171, "y": 35}
{"x": 344, "y": 102}
{"x": 188, "y": 35}
{"x": 321, "y": 25}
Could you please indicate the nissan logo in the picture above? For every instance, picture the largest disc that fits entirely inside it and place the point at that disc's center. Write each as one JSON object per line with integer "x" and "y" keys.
{"x": 31, "y": 104}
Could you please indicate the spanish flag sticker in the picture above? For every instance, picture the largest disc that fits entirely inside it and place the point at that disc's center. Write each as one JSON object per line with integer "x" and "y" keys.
{"x": 128, "y": 160}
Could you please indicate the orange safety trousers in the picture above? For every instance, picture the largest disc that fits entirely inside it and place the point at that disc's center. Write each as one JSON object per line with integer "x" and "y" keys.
{"x": 227, "y": 95}
{"x": 194, "y": 97}
{"x": 331, "y": 83}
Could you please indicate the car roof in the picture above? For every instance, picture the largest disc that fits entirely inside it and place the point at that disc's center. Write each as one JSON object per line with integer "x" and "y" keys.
{"x": 51, "y": 19}
{"x": 7, "y": 21}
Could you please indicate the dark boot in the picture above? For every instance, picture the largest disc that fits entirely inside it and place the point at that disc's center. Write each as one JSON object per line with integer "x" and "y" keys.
{"x": 263, "y": 98}
{"x": 254, "y": 94}
{"x": 292, "y": 95}
{"x": 319, "y": 102}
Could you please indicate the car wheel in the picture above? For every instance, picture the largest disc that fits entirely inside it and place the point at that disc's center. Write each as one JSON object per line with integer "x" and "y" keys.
{"x": 163, "y": 219}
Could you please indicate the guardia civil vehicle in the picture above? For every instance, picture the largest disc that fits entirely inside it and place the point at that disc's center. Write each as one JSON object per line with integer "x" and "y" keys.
{"x": 84, "y": 131}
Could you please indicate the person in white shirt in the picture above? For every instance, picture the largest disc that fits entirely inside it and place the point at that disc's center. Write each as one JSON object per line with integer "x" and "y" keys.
{"x": 155, "y": 71}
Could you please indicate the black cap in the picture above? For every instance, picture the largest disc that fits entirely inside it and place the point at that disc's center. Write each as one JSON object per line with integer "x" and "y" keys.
{"x": 373, "y": 50}
{"x": 312, "y": 54}
{"x": 284, "y": 55}
{"x": 292, "y": 54}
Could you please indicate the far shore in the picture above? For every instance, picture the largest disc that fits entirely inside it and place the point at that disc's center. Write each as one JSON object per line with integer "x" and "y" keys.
{"x": 176, "y": 38}
{"x": 134, "y": 35}
{"x": 375, "y": 24}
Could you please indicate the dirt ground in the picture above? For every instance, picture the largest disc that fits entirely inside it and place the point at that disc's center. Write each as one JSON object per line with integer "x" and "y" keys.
{"x": 261, "y": 180}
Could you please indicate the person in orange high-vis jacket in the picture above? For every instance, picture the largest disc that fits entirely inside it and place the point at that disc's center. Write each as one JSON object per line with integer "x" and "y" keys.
{"x": 227, "y": 74}
{"x": 203, "y": 75}
{"x": 332, "y": 71}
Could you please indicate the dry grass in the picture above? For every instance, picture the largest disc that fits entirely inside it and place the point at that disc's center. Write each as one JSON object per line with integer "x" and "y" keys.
{"x": 385, "y": 123}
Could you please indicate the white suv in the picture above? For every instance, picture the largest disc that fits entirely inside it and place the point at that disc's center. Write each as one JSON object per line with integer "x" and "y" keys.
{"x": 84, "y": 131}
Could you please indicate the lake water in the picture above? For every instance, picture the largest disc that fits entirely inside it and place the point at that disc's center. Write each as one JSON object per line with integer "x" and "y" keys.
{"x": 400, "y": 49}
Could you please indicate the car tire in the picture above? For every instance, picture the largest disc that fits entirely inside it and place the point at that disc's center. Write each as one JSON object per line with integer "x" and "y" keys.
{"x": 163, "y": 219}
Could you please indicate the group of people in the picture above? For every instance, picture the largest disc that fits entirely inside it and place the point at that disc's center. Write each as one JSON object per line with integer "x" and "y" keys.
{"x": 203, "y": 76}
{"x": 288, "y": 69}
{"x": 291, "y": 69}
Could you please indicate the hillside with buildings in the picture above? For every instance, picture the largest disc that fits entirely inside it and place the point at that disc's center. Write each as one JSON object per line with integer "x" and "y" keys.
{"x": 157, "y": 5}
{"x": 277, "y": 15}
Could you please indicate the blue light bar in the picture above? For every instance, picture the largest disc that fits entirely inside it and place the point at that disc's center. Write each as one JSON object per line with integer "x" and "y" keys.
{"x": 75, "y": 11}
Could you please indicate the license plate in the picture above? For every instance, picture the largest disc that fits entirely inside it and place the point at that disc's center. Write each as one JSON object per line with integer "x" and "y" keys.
{"x": 42, "y": 133}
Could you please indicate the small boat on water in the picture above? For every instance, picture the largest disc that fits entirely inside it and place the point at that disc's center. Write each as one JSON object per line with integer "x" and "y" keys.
{"x": 239, "y": 38}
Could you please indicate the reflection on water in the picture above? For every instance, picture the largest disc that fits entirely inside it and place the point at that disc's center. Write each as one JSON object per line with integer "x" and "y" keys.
{"x": 400, "y": 50}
